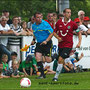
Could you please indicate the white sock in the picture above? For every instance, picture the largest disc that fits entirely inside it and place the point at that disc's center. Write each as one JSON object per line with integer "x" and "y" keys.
{"x": 58, "y": 71}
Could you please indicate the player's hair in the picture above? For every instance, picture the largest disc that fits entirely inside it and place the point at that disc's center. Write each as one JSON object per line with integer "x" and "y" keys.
{"x": 23, "y": 23}
{"x": 13, "y": 54}
{"x": 4, "y": 56}
{"x": 65, "y": 10}
{"x": 2, "y": 18}
{"x": 15, "y": 62}
{"x": 36, "y": 13}
{"x": 79, "y": 12}
{"x": 5, "y": 11}
{"x": 14, "y": 17}
{"x": 54, "y": 14}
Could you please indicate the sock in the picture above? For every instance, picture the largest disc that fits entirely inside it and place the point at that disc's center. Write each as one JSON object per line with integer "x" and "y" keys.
{"x": 40, "y": 68}
{"x": 58, "y": 70}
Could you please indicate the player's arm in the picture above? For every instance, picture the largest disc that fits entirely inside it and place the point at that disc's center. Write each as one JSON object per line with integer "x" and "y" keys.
{"x": 81, "y": 56}
{"x": 48, "y": 39}
{"x": 59, "y": 38}
{"x": 33, "y": 41}
{"x": 79, "y": 35}
{"x": 79, "y": 39}
{"x": 55, "y": 33}
{"x": 31, "y": 71}
{"x": 7, "y": 32}
{"x": 25, "y": 72}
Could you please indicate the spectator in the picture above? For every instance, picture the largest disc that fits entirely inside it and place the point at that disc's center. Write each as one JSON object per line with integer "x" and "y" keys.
{"x": 47, "y": 69}
{"x": 19, "y": 20}
{"x": 54, "y": 19}
{"x": 14, "y": 70}
{"x": 24, "y": 30}
{"x": 43, "y": 33}
{"x": 15, "y": 42}
{"x": 60, "y": 16}
{"x": 7, "y": 15}
{"x": 50, "y": 19}
{"x": 5, "y": 65}
{"x": 81, "y": 15}
{"x": 70, "y": 62}
{"x": 1, "y": 73}
{"x": 13, "y": 58}
{"x": 31, "y": 21}
{"x": 65, "y": 27}
{"x": 1, "y": 68}
{"x": 41, "y": 15}
{"x": 28, "y": 65}
{"x": 86, "y": 23}
{"x": 4, "y": 30}
{"x": 81, "y": 27}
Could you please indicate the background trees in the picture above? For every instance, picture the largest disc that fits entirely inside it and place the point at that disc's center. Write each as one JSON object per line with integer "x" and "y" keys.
{"x": 26, "y": 8}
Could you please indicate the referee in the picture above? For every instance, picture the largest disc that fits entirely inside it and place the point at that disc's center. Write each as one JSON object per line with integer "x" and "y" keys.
{"x": 43, "y": 34}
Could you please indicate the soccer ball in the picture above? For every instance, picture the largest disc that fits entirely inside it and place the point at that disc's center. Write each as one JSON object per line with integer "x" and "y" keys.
{"x": 25, "y": 82}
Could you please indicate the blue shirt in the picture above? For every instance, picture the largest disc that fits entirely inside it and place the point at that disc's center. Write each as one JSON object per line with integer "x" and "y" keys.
{"x": 72, "y": 60}
{"x": 42, "y": 31}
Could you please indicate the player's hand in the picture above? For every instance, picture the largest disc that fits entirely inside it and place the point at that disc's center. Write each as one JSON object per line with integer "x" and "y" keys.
{"x": 44, "y": 43}
{"x": 78, "y": 45}
{"x": 60, "y": 40}
{"x": 26, "y": 75}
{"x": 82, "y": 54}
{"x": 0, "y": 32}
{"x": 33, "y": 42}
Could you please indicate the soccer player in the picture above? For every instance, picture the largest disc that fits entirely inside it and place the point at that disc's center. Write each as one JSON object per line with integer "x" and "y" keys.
{"x": 43, "y": 34}
{"x": 65, "y": 27}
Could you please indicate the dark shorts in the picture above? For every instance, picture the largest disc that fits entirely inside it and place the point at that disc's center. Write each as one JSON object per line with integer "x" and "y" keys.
{"x": 44, "y": 49}
{"x": 64, "y": 52}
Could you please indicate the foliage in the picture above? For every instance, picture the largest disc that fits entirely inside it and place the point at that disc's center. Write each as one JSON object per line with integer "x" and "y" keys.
{"x": 26, "y": 8}
{"x": 77, "y": 5}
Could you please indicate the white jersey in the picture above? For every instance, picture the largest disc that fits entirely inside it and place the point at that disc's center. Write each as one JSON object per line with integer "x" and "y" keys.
{"x": 89, "y": 26}
{"x": 10, "y": 64}
{"x": 4, "y": 40}
{"x": 83, "y": 28}
{"x": 68, "y": 60}
{"x": 15, "y": 40}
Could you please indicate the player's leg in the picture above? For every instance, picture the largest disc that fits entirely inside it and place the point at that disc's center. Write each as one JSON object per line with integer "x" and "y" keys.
{"x": 59, "y": 68}
{"x": 40, "y": 64}
{"x": 63, "y": 53}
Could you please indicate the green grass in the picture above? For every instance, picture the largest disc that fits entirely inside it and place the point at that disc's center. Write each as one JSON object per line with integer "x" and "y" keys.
{"x": 67, "y": 81}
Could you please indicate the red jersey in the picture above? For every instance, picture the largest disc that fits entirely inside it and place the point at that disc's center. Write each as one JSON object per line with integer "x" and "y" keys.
{"x": 51, "y": 24}
{"x": 65, "y": 31}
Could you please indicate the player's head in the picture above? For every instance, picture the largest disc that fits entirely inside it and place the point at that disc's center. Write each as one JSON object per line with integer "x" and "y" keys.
{"x": 4, "y": 58}
{"x": 50, "y": 17}
{"x": 3, "y": 21}
{"x": 86, "y": 20}
{"x": 76, "y": 20}
{"x": 13, "y": 55}
{"x": 67, "y": 13}
{"x": 60, "y": 16}
{"x": 81, "y": 14}
{"x": 5, "y": 13}
{"x": 38, "y": 17}
{"x": 15, "y": 64}
{"x": 28, "y": 59}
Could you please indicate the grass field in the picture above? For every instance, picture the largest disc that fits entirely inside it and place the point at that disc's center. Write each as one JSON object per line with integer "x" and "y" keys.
{"x": 67, "y": 81}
